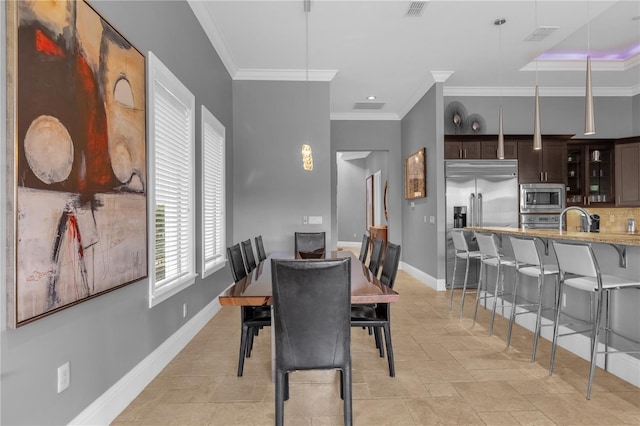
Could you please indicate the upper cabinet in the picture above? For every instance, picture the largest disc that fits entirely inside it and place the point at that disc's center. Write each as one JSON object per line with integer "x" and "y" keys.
{"x": 590, "y": 173}
{"x": 627, "y": 157}
{"x": 475, "y": 147}
{"x": 462, "y": 149}
{"x": 547, "y": 165}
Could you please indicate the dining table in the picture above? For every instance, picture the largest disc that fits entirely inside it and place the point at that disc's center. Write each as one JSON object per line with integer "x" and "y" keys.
{"x": 255, "y": 288}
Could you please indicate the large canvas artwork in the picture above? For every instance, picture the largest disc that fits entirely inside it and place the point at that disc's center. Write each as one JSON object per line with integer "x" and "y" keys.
{"x": 77, "y": 102}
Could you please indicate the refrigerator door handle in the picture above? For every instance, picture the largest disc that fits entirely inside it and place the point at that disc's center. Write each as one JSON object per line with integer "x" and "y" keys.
{"x": 479, "y": 219}
{"x": 472, "y": 209}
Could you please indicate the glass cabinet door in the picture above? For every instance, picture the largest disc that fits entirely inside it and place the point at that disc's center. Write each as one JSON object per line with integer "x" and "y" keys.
{"x": 600, "y": 175}
{"x": 575, "y": 175}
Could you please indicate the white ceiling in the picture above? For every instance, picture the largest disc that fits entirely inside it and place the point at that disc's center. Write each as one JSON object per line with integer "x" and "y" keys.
{"x": 367, "y": 47}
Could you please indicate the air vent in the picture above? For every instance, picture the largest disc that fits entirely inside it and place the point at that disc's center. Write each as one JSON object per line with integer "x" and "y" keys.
{"x": 416, "y": 8}
{"x": 368, "y": 105}
{"x": 540, "y": 33}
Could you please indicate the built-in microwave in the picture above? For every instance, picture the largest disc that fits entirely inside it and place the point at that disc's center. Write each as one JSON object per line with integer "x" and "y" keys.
{"x": 542, "y": 197}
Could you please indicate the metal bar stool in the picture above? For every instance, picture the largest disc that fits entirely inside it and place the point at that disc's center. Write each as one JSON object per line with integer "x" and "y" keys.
{"x": 579, "y": 269}
{"x": 528, "y": 263}
{"x": 490, "y": 256}
{"x": 462, "y": 252}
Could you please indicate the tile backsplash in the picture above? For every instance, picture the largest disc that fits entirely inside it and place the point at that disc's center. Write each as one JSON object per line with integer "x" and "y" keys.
{"x": 612, "y": 219}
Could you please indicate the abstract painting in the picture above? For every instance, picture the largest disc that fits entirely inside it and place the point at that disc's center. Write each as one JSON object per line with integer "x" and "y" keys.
{"x": 77, "y": 100}
{"x": 415, "y": 181}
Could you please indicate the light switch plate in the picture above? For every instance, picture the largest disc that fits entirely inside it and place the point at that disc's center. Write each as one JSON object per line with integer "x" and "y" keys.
{"x": 315, "y": 220}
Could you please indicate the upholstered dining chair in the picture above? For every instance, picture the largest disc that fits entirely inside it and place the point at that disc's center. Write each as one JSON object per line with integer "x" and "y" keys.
{"x": 252, "y": 318}
{"x": 376, "y": 256}
{"x": 262, "y": 255}
{"x": 312, "y": 304}
{"x": 310, "y": 245}
{"x": 364, "y": 248}
{"x": 249, "y": 258}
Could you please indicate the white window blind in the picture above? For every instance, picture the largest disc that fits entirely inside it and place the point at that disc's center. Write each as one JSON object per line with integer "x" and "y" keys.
{"x": 213, "y": 194}
{"x": 171, "y": 130}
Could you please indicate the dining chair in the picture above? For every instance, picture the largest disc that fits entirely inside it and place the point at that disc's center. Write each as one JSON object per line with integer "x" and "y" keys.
{"x": 262, "y": 255}
{"x": 579, "y": 270}
{"x": 252, "y": 318}
{"x": 378, "y": 316}
{"x": 364, "y": 248}
{"x": 529, "y": 264}
{"x": 249, "y": 259}
{"x": 310, "y": 245}
{"x": 376, "y": 256}
{"x": 311, "y": 304}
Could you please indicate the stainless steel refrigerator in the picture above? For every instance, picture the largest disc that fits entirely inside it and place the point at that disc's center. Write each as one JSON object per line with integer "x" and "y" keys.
{"x": 478, "y": 193}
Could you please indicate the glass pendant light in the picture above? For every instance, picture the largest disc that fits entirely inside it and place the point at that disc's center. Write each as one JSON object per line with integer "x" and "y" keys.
{"x": 499, "y": 22}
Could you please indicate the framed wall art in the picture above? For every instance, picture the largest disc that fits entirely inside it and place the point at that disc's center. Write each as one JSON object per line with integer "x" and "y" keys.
{"x": 415, "y": 180}
{"x": 76, "y": 104}
{"x": 369, "y": 201}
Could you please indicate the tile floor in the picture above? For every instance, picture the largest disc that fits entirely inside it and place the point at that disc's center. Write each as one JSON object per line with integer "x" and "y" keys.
{"x": 447, "y": 372}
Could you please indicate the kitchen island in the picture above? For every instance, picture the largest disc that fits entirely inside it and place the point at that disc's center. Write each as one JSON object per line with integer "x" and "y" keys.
{"x": 624, "y": 261}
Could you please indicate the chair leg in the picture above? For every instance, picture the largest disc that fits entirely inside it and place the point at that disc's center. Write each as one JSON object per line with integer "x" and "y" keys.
{"x": 243, "y": 349}
{"x": 536, "y": 334}
{"x": 464, "y": 287}
{"x": 376, "y": 334}
{"x": 346, "y": 395}
{"x": 495, "y": 300}
{"x": 387, "y": 338}
{"x": 514, "y": 301}
{"x": 280, "y": 397}
{"x": 453, "y": 282}
{"x": 594, "y": 348}
{"x": 556, "y": 326}
{"x": 250, "y": 334}
{"x": 481, "y": 284}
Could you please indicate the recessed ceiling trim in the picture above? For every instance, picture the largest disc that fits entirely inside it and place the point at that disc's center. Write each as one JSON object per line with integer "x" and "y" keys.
{"x": 284, "y": 75}
{"x": 371, "y": 116}
{"x": 544, "y": 91}
{"x": 580, "y": 65}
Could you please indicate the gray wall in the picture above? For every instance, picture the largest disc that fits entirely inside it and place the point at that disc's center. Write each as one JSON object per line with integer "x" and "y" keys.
{"x": 372, "y": 136}
{"x": 270, "y": 185}
{"x": 635, "y": 117}
{"x": 558, "y": 115}
{"x": 422, "y": 127}
{"x": 104, "y": 338}
{"x": 351, "y": 199}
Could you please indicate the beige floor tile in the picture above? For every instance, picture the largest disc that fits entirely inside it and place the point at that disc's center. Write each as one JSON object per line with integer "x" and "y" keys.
{"x": 531, "y": 418}
{"x": 492, "y": 396}
{"x": 367, "y": 412}
{"x": 447, "y": 411}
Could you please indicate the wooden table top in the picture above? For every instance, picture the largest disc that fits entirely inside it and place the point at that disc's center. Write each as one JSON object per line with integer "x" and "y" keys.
{"x": 255, "y": 288}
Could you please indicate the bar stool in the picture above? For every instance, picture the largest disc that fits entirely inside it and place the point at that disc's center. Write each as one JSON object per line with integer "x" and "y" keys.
{"x": 528, "y": 263}
{"x": 579, "y": 261}
{"x": 462, "y": 252}
{"x": 490, "y": 256}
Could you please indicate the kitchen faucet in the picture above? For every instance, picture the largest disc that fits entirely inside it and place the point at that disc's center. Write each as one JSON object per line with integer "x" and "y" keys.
{"x": 585, "y": 225}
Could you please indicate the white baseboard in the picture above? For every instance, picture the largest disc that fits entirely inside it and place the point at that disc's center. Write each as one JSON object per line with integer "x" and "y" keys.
{"x": 110, "y": 404}
{"x": 434, "y": 283}
{"x": 623, "y": 366}
{"x": 349, "y": 243}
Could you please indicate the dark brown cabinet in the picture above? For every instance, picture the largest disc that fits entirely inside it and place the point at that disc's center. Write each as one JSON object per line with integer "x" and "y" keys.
{"x": 490, "y": 150}
{"x": 459, "y": 149}
{"x": 590, "y": 174}
{"x": 547, "y": 165}
{"x": 627, "y": 158}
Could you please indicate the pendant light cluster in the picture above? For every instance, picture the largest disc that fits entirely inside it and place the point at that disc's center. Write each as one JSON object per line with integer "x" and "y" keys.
{"x": 500, "y": 22}
{"x": 307, "y": 155}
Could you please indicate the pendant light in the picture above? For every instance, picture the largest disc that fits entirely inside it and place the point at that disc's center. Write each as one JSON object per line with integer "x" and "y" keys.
{"x": 500, "y": 154}
{"x": 307, "y": 155}
{"x": 589, "y": 116}
{"x": 537, "y": 135}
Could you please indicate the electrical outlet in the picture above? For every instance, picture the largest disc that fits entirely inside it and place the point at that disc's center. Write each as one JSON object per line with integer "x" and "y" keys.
{"x": 564, "y": 300}
{"x": 64, "y": 377}
{"x": 184, "y": 310}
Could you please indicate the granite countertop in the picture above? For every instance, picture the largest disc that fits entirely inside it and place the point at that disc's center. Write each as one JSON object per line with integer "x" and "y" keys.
{"x": 591, "y": 237}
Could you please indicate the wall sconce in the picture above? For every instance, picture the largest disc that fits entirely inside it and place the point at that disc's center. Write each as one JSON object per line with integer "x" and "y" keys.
{"x": 307, "y": 157}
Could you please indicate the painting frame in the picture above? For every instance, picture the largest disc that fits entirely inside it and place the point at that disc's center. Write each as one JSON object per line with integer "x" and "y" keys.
{"x": 76, "y": 159}
{"x": 369, "y": 201}
{"x": 415, "y": 172}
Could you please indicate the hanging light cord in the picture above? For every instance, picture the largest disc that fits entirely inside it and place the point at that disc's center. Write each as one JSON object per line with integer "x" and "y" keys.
{"x": 536, "y": 18}
{"x": 307, "y": 9}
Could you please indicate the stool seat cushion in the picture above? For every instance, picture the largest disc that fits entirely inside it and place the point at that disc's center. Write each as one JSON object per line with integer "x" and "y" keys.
{"x": 608, "y": 282}
{"x": 534, "y": 271}
{"x": 469, "y": 255}
{"x": 492, "y": 261}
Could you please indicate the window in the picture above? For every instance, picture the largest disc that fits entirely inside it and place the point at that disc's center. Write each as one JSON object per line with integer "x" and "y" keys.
{"x": 213, "y": 210}
{"x": 171, "y": 183}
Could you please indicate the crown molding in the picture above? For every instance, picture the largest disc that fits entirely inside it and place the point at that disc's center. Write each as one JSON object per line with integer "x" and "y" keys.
{"x": 209, "y": 26}
{"x": 544, "y": 91}
{"x": 620, "y": 65}
{"x": 441, "y": 76}
{"x": 371, "y": 116}
{"x": 284, "y": 75}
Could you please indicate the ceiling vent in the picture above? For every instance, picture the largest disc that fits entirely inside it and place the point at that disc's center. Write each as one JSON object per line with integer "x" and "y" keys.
{"x": 541, "y": 33}
{"x": 416, "y": 8}
{"x": 368, "y": 105}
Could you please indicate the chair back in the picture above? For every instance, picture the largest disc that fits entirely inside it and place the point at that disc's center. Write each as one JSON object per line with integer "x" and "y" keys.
{"x": 459, "y": 242}
{"x": 262, "y": 255}
{"x": 234, "y": 254}
{"x": 376, "y": 256}
{"x": 576, "y": 259}
{"x": 390, "y": 265}
{"x": 525, "y": 251}
{"x": 487, "y": 245}
{"x": 312, "y": 313}
{"x": 364, "y": 248}
{"x": 310, "y": 245}
{"x": 249, "y": 259}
